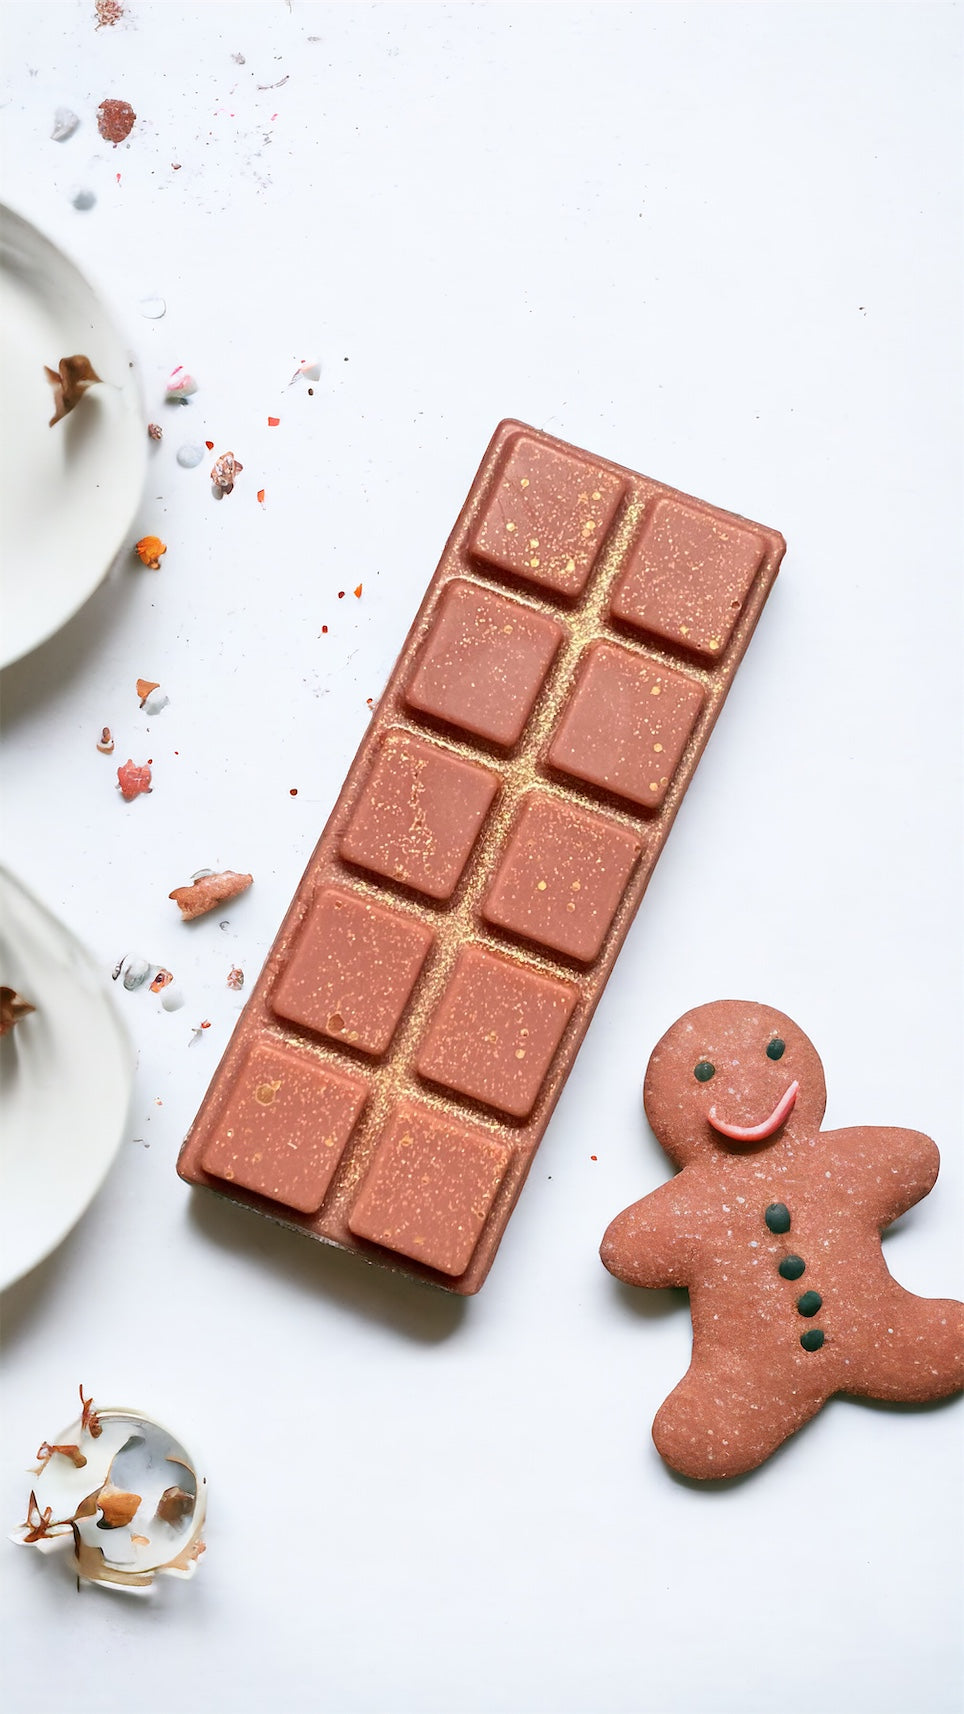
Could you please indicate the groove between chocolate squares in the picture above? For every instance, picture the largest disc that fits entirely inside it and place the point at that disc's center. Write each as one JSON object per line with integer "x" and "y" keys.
{"x": 458, "y": 920}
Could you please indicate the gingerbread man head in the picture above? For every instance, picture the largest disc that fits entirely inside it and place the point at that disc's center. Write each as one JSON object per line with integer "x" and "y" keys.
{"x": 732, "y": 1075}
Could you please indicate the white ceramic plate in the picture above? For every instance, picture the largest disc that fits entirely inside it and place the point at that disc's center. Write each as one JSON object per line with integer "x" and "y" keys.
{"x": 68, "y": 494}
{"x": 66, "y": 1076}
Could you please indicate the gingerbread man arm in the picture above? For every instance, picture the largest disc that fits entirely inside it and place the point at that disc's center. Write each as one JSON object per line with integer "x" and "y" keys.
{"x": 648, "y": 1244}
{"x": 891, "y": 1168}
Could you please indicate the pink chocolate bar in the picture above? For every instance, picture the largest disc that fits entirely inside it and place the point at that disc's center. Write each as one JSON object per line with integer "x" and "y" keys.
{"x": 394, "y": 1070}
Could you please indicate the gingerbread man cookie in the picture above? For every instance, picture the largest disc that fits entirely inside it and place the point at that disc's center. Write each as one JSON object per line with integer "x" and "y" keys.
{"x": 774, "y": 1227}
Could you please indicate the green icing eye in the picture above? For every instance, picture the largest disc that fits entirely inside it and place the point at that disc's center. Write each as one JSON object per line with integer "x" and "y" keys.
{"x": 776, "y": 1048}
{"x": 704, "y": 1071}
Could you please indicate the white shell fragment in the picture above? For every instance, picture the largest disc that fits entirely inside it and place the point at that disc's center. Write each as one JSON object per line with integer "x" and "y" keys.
{"x": 134, "y": 972}
{"x": 310, "y": 369}
{"x": 189, "y": 456}
{"x": 127, "y": 1495}
{"x": 65, "y": 124}
{"x": 180, "y": 385}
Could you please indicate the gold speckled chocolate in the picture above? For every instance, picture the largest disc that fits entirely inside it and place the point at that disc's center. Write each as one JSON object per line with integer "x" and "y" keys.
{"x": 397, "y": 1063}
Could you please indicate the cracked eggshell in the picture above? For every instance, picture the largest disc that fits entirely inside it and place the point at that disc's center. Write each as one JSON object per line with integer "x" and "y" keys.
{"x": 134, "y": 1509}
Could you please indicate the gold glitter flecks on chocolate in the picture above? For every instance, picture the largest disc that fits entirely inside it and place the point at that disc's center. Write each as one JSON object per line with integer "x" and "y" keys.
{"x": 149, "y": 551}
{"x": 224, "y": 470}
{"x": 115, "y": 120}
{"x": 70, "y": 380}
{"x": 207, "y": 891}
{"x": 13, "y": 1009}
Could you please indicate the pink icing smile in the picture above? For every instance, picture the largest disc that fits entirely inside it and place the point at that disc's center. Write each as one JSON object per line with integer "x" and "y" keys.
{"x": 766, "y": 1127}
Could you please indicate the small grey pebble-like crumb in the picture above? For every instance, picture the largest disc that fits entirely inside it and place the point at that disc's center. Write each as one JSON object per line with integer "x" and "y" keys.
{"x": 65, "y": 124}
{"x": 83, "y": 199}
{"x": 189, "y": 456}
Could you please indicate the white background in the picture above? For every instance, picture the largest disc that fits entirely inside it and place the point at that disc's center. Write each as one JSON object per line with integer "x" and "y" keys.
{"x": 721, "y": 245}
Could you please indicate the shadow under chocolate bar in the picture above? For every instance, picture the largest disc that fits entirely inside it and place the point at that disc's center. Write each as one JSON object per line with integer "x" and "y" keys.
{"x": 394, "y": 1070}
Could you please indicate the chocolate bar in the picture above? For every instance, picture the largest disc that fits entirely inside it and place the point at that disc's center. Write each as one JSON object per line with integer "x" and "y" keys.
{"x": 390, "y": 1079}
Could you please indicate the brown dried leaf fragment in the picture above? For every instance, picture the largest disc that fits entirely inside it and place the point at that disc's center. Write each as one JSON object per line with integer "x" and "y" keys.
{"x": 117, "y": 1507}
{"x": 70, "y": 381}
{"x": 89, "y": 1420}
{"x": 37, "y": 1523}
{"x": 46, "y": 1451}
{"x": 174, "y": 1504}
{"x": 13, "y": 1007}
{"x": 209, "y": 891}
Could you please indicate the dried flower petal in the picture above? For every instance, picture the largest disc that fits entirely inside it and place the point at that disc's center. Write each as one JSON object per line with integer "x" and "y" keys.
{"x": 115, "y": 120}
{"x": 208, "y": 891}
{"x": 133, "y": 778}
{"x": 70, "y": 381}
{"x": 117, "y": 1506}
{"x": 180, "y": 385}
{"x": 45, "y": 1452}
{"x": 90, "y": 1422}
{"x": 13, "y": 1007}
{"x": 37, "y": 1523}
{"x": 235, "y": 977}
{"x": 149, "y": 550}
{"x": 105, "y": 742}
{"x": 224, "y": 470}
{"x": 144, "y": 688}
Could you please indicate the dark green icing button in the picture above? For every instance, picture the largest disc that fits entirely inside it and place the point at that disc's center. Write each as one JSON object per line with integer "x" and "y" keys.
{"x": 812, "y": 1339}
{"x": 792, "y": 1267}
{"x": 777, "y": 1217}
{"x": 809, "y": 1303}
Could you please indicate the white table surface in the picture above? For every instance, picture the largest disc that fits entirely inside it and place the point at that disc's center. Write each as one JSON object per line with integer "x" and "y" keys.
{"x": 720, "y": 245}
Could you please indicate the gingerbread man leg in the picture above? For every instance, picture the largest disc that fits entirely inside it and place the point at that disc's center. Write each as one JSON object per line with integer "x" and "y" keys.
{"x": 911, "y": 1350}
{"x": 724, "y": 1418}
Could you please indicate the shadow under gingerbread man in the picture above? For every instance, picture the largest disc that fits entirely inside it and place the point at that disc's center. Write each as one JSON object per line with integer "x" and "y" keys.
{"x": 774, "y": 1227}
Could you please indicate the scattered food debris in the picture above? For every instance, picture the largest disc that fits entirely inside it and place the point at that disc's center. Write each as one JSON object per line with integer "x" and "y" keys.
{"x": 111, "y": 1515}
{"x": 115, "y": 120}
{"x": 223, "y": 472}
{"x": 198, "y": 1031}
{"x": 144, "y": 688}
{"x": 324, "y": 630}
{"x": 133, "y": 778}
{"x": 172, "y": 999}
{"x": 279, "y": 85}
{"x": 134, "y": 971}
{"x": 235, "y": 977}
{"x": 105, "y": 742}
{"x": 208, "y": 890}
{"x": 149, "y": 550}
{"x": 13, "y": 1008}
{"x": 260, "y": 496}
{"x": 239, "y": 59}
{"x": 153, "y": 308}
{"x": 189, "y": 456}
{"x": 273, "y": 422}
{"x": 108, "y": 12}
{"x": 180, "y": 385}
{"x": 65, "y": 124}
{"x": 155, "y": 431}
{"x": 162, "y": 979}
{"x": 70, "y": 381}
{"x": 309, "y": 368}
{"x": 357, "y": 590}
{"x": 83, "y": 199}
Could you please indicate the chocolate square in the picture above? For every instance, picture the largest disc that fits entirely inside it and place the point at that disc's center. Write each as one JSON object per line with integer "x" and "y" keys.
{"x": 419, "y": 814}
{"x": 352, "y": 970}
{"x": 688, "y": 577}
{"x": 484, "y": 662}
{"x": 429, "y": 1189}
{"x": 548, "y": 516}
{"x": 495, "y": 1030}
{"x": 562, "y": 875}
{"x": 284, "y": 1126}
{"x": 626, "y": 725}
